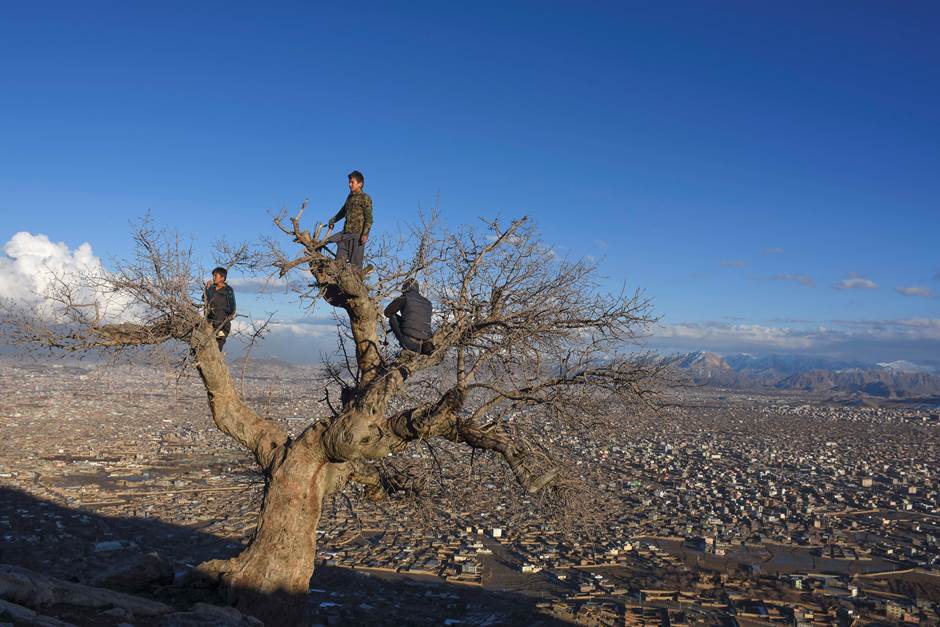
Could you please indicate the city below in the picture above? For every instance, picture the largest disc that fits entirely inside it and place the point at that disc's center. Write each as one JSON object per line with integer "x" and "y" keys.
{"x": 729, "y": 506}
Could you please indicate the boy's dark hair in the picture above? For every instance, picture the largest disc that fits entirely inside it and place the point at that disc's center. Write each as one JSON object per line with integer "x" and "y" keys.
{"x": 356, "y": 174}
{"x": 222, "y": 271}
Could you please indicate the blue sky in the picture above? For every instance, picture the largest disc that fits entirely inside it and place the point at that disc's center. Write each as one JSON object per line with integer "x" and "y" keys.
{"x": 737, "y": 160}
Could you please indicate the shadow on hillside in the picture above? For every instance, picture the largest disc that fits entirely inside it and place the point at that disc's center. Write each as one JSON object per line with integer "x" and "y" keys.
{"x": 77, "y": 545}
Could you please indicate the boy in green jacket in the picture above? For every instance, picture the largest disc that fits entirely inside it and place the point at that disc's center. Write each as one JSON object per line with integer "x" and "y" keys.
{"x": 357, "y": 211}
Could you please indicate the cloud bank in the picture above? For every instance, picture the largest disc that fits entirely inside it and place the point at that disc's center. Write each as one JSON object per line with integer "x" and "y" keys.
{"x": 32, "y": 267}
{"x": 31, "y": 262}
{"x": 302, "y": 341}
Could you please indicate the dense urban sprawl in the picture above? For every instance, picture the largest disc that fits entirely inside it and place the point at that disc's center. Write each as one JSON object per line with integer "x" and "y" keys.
{"x": 731, "y": 507}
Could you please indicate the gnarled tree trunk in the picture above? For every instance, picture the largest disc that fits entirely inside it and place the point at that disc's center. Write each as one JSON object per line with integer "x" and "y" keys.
{"x": 271, "y": 578}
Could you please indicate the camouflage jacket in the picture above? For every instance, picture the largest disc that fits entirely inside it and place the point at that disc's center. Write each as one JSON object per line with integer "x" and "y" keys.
{"x": 358, "y": 213}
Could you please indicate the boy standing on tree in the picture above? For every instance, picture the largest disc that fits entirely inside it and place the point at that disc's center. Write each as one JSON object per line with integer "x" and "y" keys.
{"x": 219, "y": 298}
{"x": 357, "y": 211}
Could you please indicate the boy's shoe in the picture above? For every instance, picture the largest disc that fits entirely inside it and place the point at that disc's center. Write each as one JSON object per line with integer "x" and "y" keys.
{"x": 427, "y": 347}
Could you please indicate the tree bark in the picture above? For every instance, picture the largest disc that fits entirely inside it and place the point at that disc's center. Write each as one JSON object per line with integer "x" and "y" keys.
{"x": 271, "y": 578}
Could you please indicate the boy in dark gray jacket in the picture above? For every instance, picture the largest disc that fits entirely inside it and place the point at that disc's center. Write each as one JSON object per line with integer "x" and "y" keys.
{"x": 412, "y": 326}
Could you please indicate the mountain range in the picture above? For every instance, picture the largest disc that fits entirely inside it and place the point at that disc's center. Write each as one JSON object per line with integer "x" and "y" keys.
{"x": 817, "y": 375}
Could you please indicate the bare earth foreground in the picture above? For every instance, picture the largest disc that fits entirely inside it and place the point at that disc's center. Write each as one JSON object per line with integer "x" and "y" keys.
{"x": 734, "y": 507}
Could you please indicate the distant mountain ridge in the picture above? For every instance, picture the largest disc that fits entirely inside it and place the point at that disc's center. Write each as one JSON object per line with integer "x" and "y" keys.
{"x": 788, "y": 364}
{"x": 898, "y": 379}
{"x": 882, "y": 382}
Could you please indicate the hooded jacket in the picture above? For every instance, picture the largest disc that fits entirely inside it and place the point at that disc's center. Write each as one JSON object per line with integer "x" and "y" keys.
{"x": 415, "y": 313}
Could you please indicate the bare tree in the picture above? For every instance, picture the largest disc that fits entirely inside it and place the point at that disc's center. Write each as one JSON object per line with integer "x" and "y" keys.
{"x": 518, "y": 330}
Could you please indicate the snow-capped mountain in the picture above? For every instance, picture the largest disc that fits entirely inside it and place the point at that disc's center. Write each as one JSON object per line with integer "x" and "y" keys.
{"x": 902, "y": 365}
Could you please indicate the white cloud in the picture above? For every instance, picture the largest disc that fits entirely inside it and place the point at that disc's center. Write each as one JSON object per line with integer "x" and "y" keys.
{"x": 305, "y": 327}
{"x": 855, "y": 282}
{"x": 31, "y": 265}
{"x": 773, "y": 251}
{"x": 30, "y": 262}
{"x": 802, "y": 279}
{"x": 925, "y": 292}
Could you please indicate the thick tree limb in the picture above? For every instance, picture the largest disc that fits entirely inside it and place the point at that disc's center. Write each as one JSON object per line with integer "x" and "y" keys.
{"x": 342, "y": 286}
{"x": 264, "y": 438}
